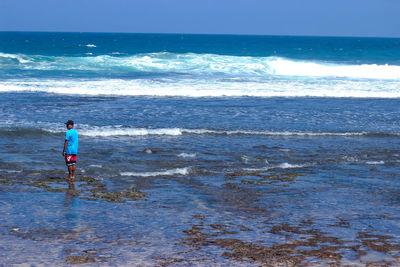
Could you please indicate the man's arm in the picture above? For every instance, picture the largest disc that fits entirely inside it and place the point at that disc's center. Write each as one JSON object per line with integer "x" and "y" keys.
{"x": 65, "y": 147}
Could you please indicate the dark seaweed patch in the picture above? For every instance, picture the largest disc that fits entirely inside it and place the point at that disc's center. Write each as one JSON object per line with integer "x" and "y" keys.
{"x": 74, "y": 256}
{"x": 89, "y": 188}
{"x": 304, "y": 245}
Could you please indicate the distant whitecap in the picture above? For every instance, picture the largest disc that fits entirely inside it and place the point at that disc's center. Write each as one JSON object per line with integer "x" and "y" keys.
{"x": 187, "y": 155}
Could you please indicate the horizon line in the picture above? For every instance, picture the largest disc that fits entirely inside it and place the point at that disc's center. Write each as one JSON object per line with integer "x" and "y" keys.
{"x": 226, "y": 34}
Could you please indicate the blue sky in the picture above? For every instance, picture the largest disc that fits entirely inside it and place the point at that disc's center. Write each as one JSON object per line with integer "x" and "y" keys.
{"x": 279, "y": 17}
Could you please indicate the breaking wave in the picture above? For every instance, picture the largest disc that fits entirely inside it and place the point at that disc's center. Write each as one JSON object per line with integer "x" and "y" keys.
{"x": 195, "y": 75}
{"x": 110, "y": 131}
{"x": 194, "y": 64}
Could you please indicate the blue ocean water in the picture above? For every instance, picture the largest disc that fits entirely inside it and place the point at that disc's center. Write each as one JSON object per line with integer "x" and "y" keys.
{"x": 253, "y": 131}
{"x": 199, "y": 65}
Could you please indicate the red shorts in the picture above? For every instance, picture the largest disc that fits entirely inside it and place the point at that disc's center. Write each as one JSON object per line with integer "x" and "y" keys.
{"x": 70, "y": 160}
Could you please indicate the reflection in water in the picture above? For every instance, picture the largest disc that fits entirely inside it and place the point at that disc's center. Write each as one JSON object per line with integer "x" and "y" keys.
{"x": 71, "y": 206}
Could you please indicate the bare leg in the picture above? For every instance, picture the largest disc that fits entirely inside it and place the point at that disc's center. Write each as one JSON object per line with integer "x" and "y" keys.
{"x": 70, "y": 172}
{"x": 73, "y": 171}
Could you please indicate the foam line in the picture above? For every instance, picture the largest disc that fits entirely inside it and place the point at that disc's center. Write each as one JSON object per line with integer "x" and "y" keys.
{"x": 207, "y": 88}
{"x": 284, "y": 165}
{"x": 109, "y": 131}
{"x": 171, "y": 172}
{"x": 115, "y": 131}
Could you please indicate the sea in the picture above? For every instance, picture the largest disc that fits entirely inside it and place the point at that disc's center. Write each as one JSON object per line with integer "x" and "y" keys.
{"x": 200, "y": 150}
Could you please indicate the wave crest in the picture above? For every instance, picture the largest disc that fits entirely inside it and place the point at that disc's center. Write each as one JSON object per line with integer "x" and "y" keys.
{"x": 200, "y": 64}
{"x": 116, "y": 131}
{"x": 110, "y": 131}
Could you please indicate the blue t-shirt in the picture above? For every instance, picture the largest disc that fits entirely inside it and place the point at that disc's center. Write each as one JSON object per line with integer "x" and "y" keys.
{"x": 72, "y": 137}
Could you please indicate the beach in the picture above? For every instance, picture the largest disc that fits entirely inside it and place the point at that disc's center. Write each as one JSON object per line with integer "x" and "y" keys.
{"x": 203, "y": 150}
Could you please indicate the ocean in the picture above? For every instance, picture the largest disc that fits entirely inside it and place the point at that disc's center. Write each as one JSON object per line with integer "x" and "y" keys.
{"x": 205, "y": 150}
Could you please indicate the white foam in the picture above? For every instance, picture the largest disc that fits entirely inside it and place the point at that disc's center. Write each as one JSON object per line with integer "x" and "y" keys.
{"x": 207, "y": 88}
{"x": 284, "y": 165}
{"x": 148, "y": 151}
{"x": 112, "y": 131}
{"x": 20, "y": 58}
{"x": 290, "y": 166}
{"x": 288, "y": 67}
{"x": 187, "y": 155}
{"x": 380, "y": 162}
{"x": 351, "y": 158}
{"x": 177, "y": 171}
{"x": 91, "y": 45}
{"x": 96, "y": 165}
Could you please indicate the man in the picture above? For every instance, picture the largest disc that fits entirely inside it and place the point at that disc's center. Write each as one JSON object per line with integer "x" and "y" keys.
{"x": 70, "y": 149}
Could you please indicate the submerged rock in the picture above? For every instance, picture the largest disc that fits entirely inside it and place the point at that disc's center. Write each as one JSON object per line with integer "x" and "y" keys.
{"x": 89, "y": 188}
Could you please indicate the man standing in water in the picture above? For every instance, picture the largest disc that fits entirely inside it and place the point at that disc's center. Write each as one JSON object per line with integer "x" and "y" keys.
{"x": 70, "y": 149}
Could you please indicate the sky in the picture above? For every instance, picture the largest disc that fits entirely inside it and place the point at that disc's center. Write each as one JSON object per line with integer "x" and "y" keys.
{"x": 367, "y": 18}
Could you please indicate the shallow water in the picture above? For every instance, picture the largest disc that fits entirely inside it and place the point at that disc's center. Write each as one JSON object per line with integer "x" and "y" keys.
{"x": 225, "y": 177}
